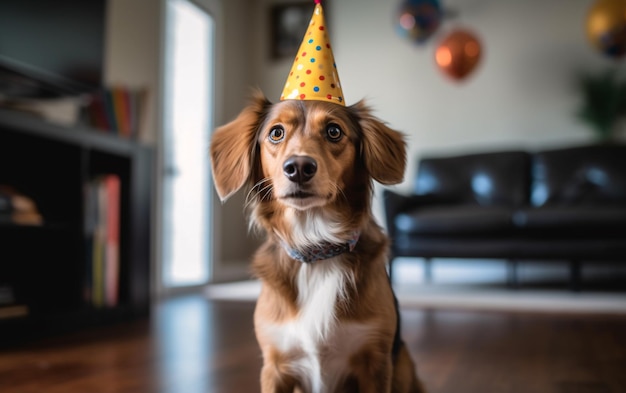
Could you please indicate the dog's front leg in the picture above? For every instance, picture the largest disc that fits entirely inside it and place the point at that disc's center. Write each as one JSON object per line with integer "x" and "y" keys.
{"x": 274, "y": 381}
{"x": 374, "y": 373}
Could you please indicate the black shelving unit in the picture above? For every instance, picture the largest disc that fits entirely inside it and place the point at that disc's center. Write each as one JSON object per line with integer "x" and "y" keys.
{"x": 46, "y": 265}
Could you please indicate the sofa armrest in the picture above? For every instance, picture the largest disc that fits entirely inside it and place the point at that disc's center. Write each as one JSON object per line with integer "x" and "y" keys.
{"x": 395, "y": 203}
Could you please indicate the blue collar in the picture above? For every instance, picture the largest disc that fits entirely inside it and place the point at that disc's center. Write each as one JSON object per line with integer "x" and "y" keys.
{"x": 323, "y": 250}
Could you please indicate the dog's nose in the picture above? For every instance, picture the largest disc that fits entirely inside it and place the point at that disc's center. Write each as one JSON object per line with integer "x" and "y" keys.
{"x": 300, "y": 169}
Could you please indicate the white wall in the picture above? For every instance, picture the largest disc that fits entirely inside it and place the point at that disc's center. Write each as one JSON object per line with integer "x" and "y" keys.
{"x": 521, "y": 95}
{"x": 233, "y": 246}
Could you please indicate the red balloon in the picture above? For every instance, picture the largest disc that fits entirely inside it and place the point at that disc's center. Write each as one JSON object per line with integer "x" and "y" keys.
{"x": 458, "y": 54}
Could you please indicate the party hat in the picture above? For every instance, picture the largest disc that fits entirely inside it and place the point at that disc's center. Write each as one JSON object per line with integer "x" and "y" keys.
{"x": 313, "y": 75}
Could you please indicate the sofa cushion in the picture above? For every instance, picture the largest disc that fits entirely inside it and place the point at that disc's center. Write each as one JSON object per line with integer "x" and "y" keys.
{"x": 591, "y": 221}
{"x": 487, "y": 179}
{"x": 586, "y": 175}
{"x": 455, "y": 220}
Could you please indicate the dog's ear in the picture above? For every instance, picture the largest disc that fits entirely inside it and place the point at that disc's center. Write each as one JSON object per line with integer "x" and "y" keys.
{"x": 233, "y": 147}
{"x": 383, "y": 149}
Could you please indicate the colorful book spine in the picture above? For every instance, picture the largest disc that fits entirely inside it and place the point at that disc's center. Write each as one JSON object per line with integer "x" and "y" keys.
{"x": 112, "y": 245}
{"x": 102, "y": 236}
{"x": 117, "y": 110}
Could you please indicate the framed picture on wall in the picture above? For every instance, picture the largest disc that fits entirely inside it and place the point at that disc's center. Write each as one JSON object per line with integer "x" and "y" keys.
{"x": 289, "y": 23}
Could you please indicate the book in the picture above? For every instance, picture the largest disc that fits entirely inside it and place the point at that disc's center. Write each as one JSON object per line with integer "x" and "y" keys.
{"x": 65, "y": 111}
{"x": 90, "y": 221}
{"x": 102, "y": 237}
{"x": 112, "y": 239}
{"x": 118, "y": 110}
{"x": 99, "y": 239}
{"x": 97, "y": 112}
{"x": 121, "y": 107}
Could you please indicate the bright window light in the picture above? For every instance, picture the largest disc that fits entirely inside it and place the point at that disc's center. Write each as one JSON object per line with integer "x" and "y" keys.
{"x": 187, "y": 124}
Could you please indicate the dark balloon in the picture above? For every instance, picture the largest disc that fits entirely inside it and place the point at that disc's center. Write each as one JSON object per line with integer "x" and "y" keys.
{"x": 417, "y": 20}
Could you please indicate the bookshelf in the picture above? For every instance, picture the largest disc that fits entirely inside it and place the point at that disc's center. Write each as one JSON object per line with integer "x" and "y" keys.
{"x": 44, "y": 269}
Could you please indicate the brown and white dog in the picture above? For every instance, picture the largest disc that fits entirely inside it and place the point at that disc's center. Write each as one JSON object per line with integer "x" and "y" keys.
{"x": 326, "y": 319}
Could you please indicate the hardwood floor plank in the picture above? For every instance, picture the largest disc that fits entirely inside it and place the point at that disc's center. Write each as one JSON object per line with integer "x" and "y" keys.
{"x": 524, "y": 353}
{"x": 192, "y": 345}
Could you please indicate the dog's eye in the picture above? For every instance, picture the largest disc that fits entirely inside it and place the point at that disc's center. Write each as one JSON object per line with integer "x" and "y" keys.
{"x": 333, "y": 132}
{"x": 277, "y": 134}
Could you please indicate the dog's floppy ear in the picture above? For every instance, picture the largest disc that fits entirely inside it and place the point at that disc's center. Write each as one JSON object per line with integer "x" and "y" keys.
{"x": 233, "y": 148}
{"x": 383, "y": 150}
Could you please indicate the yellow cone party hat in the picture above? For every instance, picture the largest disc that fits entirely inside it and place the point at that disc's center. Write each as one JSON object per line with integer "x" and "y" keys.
{"x": 313, "y": 75}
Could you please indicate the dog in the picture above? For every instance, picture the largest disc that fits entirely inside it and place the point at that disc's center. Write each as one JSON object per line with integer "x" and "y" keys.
{"x": 326, "y": 319}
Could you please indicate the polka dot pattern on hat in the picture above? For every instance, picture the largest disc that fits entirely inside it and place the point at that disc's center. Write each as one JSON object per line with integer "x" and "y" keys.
{"x": 314, "y": 75}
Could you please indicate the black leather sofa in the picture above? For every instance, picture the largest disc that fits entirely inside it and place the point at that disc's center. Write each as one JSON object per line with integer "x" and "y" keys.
{"x": 561, "y": 204}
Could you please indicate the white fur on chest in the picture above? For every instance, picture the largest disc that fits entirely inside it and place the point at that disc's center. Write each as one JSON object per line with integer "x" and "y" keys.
{"x": 321, "y": 348}
{"x": 310, "y": 228}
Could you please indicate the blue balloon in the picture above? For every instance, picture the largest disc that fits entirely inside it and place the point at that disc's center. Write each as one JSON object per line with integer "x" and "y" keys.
{"x": 417, "y": 20}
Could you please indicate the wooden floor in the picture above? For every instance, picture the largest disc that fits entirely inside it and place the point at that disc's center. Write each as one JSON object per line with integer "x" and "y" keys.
{"x": 191, "y": 345}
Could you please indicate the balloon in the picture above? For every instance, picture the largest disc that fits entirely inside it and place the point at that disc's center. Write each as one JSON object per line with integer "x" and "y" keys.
{"x": 606, "y": 27}
{"x": 458, "y": 54}
{"x": 418, "y": 19}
